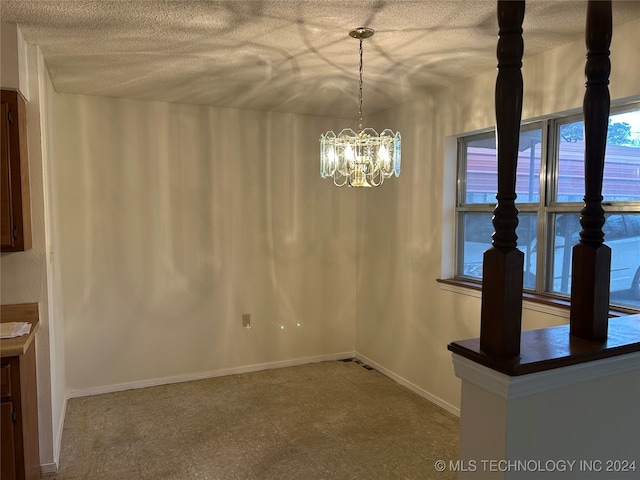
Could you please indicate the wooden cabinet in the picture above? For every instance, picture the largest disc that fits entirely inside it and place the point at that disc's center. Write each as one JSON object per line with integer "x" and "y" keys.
{"x": 20, "y": 454}
{"x": 15, "y": 213}
{"x": 8, "y": 456}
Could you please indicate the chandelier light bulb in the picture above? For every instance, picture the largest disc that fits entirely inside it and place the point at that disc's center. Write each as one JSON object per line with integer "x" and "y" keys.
{"x": 362, "y": 159}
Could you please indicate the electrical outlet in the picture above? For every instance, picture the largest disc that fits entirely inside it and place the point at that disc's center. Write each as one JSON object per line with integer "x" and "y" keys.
{"x": 246, "y": 320}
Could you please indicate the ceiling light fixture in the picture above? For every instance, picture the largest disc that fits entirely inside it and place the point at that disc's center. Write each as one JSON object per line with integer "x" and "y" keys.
{"x": 364, "y": 159}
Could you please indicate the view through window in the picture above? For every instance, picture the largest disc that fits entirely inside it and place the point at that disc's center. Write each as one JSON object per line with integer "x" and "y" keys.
{"x": 550, "y": 189}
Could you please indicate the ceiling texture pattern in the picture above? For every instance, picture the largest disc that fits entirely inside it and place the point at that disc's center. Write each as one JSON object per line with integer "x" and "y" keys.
{"x": 284, "y": 56}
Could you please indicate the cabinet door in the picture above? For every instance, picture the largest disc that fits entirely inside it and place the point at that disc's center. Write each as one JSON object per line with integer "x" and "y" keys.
{"x": 6, "y": 215}
{"x": 7, "y": 454}
{"x": 14, "y": 169}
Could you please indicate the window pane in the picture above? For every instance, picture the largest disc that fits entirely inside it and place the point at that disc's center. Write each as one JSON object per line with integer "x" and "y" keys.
{"x": 622, "y": 235}
{"x": 566, "y": 235}
{"x": 622, "y": 161}
{"x": 527, "y": 233}
{"x": 477, "y": 230}
{"x": 482, "y": 169}
{"x": 528, "y": 171}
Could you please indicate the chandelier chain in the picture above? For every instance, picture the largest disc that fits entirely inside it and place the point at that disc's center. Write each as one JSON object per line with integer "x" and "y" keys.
{"x": 360, "y": 127}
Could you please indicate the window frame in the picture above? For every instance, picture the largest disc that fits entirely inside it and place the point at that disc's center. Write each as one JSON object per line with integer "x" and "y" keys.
{"x": 546, "y": 208}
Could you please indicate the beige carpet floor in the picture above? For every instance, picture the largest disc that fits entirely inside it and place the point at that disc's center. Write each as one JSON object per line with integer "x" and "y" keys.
{"x": 332, "y": 420}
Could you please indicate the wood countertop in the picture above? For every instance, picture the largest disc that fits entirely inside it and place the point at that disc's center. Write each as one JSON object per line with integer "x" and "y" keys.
{"x": 554, "y": 347}
{"x": 24, "y": 312}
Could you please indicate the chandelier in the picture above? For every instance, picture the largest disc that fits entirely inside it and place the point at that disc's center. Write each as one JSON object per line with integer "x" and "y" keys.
{"x": 362, "y": 159}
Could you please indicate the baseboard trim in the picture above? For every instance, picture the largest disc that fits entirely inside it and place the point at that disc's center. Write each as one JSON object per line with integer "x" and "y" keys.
{"x": 411, "y": 386}
{"x": 119, "y": 387}
{"x": 58, "y": 441}
{"x": 48, "y": 468}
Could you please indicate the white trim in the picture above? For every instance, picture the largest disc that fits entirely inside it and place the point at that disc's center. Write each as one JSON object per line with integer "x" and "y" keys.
{"x": 526, "y": 304}
{"x": 544, "y": 308}
{"x": 449, "y": 227}
{"x": 119, "y": 387}
{"x": 471, "y": 292}
{"x": 48, "y": 468}
{"x": 57, "y": 444}
{"x": 484, "y": 377}
{"x": 524, "y": 385}
{"x": 411, "y": 386}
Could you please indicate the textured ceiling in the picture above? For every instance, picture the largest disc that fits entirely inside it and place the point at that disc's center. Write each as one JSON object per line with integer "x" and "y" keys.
{"x": 288, "y": 56}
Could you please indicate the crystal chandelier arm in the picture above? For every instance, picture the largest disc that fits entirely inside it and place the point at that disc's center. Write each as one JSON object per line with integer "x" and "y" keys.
{"x": 344, "y": 180}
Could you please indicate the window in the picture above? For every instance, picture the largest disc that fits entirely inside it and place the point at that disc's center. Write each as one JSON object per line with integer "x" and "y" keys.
{"x": 550, "y": 189}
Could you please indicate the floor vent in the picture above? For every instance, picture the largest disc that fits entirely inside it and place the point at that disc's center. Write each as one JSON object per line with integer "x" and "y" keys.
{"x": 364, "y": 365}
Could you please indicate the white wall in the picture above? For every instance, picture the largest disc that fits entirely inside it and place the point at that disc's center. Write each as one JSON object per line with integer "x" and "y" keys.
{"x": 552, "y": 422}
{"x": 55, "y": 313}
{"x": 170, "y": 221}
{"x": 561, "y": 425}
{"x": 25, "y": 275}
{"x": 174, "y": 220}
{"x": 14, "y": 71}
{"x": 404, "y": 319}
